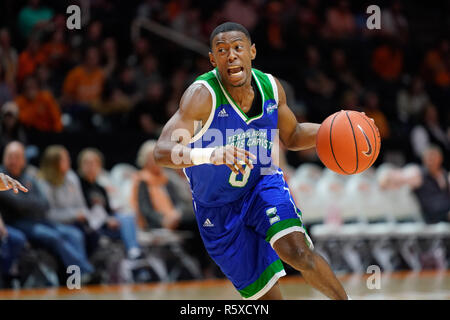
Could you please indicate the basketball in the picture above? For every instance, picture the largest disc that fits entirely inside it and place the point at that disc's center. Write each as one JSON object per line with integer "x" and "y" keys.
{"x": 348, "y": 142}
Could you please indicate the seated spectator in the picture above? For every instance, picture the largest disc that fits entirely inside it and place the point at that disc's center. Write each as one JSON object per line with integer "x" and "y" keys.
{"x": 12, "y": 242}
{"x": 150, "y": 198}
{"x": 149, "y": 114}
{"x": 433, "y": 191}
{"x": 394, "y": 22}
{"x": 113, "y": 224}
{"x": 29, "y": 59}
{"x": 342, "y": 72}
{"x": 83, "y": 86}
{"x": 147, "y": 73}
{"x": 436, "y": 67}
{"x": 412, "y": 101}
{"x": 6, "y": 94}
{"x": 33, "y": 17}
{"x": 387, "y": 61}
{"x": 8, "y": 59}
{"x": 340, "y": 22}
{"x": 38, "y": 109}
{"x": 319, "y": 87}
{"x": 54, "y": 52}
{"x": 431, "y": 185}
{"x": 62, "y": 188}
{"x": 162, "y": 199}
{"x": 10, "y": 127}
{"x": 372, "y": 110}
{"x": 429, "y": 131}
{"x": 28, "y": 213}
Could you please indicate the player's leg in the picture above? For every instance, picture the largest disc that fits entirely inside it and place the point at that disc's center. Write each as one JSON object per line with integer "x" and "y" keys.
{"x": 273, "y": 294}
{"x": 293, "y": 249}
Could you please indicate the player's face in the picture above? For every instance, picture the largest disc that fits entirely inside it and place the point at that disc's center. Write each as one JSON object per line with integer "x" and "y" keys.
{"x": 232, "y": 54}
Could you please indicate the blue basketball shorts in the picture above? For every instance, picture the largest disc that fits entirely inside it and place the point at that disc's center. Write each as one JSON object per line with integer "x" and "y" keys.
{"x": 239, "y": 236}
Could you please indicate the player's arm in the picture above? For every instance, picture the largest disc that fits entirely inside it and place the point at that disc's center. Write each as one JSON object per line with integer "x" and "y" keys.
{"x": 295, "y": 136}
{"x": 171, "y": 149}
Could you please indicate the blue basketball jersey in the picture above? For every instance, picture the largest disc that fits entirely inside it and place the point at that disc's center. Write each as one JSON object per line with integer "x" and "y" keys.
{"x": 228, "y": 125}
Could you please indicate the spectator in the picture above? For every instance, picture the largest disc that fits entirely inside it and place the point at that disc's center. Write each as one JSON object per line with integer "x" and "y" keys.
{"x": 436, "y": 66}
{"x": 319, "y": 87}
{"x": 411, "y": 102}
{"x": 10, "y": 127}
{"x": 372, "y": 110}
{"x": 38, "y": 109}
{"x": 113, "y": 224}
{"x": 6, "y": 93}
{"x": 109, "y": 52}
{"x": 147, "y": 73}
{"x": 8, "y": 59}
{"x": 342, "y": 73}
{"x": 84, "y": 84}
{"x": 150, "y": 198}
{"x": 55, "y": 51}
{"x": 149, "y": 115}
{"x": 63, "y": 191}
{"x": 162, "y": 199}
{"x": 33, "y": 17}
{"x": 241, "y": 12}
{"x": 431, "y": 185}
{"x": 340, "y": 22}
{"x": 28, "y": 213}
{"x": 394, "y": 22}
{"x": 12, "y": 242}
{"x": 433, "y": 191}
{"x": 429, "y": 131}
{"x": 387, "y": 61}
{"x": 29, "y": 60}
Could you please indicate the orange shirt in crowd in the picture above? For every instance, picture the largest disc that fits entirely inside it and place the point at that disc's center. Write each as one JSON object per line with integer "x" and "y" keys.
{"x": 440, "y": 73}
{"x": 83, "y": 86}
{"x": 42, "y": 113}
{"x": 53, "y": 49}
{"x": 27, "y": 64}
{"x": 387, "y": 63}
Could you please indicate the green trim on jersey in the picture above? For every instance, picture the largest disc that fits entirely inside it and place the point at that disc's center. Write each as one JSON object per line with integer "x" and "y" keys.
{"x": 265, "y": 277}
{"x": 223, "y": 97}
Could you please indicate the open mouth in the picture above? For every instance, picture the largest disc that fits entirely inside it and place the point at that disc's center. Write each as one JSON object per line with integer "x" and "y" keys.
{"x": 235, "y": 71}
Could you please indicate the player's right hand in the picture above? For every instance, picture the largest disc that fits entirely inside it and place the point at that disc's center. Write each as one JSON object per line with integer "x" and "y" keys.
{"x": 233, "y": 157}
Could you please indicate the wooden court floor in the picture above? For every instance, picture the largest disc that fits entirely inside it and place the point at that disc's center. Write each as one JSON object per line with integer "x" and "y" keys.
{"x": 396, "y": 286}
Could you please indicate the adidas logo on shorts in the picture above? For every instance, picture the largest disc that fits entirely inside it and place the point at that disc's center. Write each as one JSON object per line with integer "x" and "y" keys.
{"x": 222, "y": 113}
{"x": 208, "y": 223}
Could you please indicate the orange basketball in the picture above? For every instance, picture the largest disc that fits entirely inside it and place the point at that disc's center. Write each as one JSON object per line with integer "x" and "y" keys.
{"x": 348, "y": 142}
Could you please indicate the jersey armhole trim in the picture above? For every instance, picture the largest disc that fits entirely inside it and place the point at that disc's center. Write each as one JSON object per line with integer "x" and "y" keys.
{"x": 199, "y": 134}
{"x": 274, "y": 87}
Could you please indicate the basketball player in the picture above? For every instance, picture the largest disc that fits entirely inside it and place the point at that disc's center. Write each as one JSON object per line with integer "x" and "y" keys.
{"x": 7, "y": 183}
{"x": 247, "y": 217}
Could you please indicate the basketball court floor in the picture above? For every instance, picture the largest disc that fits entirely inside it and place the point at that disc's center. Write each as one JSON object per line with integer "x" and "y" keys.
{"x": 434, "y": 285}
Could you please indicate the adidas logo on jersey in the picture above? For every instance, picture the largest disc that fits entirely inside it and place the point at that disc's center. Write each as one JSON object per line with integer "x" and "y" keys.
{"x": 208, "y": 223}
{"x": 222, "y": 113}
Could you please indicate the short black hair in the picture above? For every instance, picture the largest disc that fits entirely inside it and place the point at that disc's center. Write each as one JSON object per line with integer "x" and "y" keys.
{"x": 229, "y": 26}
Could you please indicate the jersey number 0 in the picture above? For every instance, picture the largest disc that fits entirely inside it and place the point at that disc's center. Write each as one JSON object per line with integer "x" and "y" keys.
{"x": 240, "y": 183}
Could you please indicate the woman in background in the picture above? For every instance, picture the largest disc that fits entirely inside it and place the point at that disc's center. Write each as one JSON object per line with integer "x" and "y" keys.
{"x": 63, "y": 191}
{"x": 110, "y": 223}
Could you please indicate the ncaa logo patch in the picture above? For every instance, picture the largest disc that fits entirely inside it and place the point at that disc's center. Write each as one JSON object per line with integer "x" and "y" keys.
{"x": 272, "y": 215}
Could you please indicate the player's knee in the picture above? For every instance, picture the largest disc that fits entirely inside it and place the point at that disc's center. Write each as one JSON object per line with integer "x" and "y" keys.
{"x": 299, "y": 257}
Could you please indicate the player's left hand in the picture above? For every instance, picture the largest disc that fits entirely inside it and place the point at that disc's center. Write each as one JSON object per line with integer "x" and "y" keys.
{"x": 6, "y": 183}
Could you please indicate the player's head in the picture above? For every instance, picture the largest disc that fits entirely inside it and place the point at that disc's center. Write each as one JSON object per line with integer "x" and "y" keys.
{"x": 232, "y": 53}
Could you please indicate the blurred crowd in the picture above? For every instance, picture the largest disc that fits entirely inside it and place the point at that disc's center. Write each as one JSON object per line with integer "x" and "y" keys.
{"x": 101, "y": 87}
